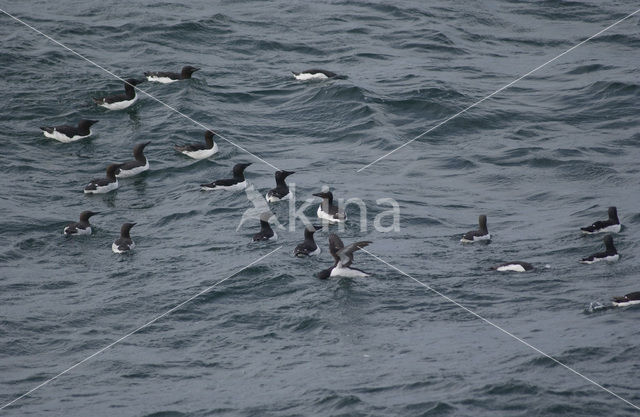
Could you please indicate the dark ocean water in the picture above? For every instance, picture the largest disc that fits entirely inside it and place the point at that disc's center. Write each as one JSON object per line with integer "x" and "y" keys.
{"x": 541, "y": 159}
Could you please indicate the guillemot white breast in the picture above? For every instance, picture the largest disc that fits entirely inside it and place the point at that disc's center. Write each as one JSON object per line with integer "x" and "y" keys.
{"x": 238, "y": 181}
{"x": 309, "y": 246}
{"x": 476, "y": 235}
{"x": 281, "y": 191}
{"x": 611, "y": 225}
{"x": 329, "y": 211}
{"x": 138, "y": 165}
{"x": 120, "y": 101}
{"x": 343, "y": 257}
{"x": 199, "y": 150}
{"x": 82, "y": 227}
{"x": 66, "y": 133}
{"x": 171, "y": 77}
{"x": 104, "y": 185}
{"x": 124, "y": 243}
{"x": 610, "y": 254}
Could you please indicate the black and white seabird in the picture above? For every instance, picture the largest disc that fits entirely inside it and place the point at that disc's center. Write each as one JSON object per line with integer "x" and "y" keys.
{"x": 517, "y": 266}
{"x": 627, "y": 300}
{"x": 343, "y": 256}
{"x": 104, "y": 185}
{"x": 611, "y": 225}
{"x": 238, "y": 181}
{"x": 138, "y": 165}
{"x": 82, "y": 227}
{"x": 266, "y": 232}
{"x": 329, "y": 211}
{"x": 308, "y": 247}
{"x": 124, "y": 242}
{"x": 314, "y": 74}
{"x": 610, "y": 254}
{"x": 120, "y": 101}
{"x": 199, "y": 150}
{"x": 170, "y": 77}
{"x": 281, "y": 191}
{"x": 66, "y": 133}
{"x": 476, "y": 235}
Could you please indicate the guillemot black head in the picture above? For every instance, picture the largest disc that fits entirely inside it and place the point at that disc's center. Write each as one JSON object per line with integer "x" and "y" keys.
{"x": 125, "y": 229}
{"x": 85, "y": 215}
{"x": 111, "y": 171}
{"x": 608, "y": 243}
{"x": 281, "y": 175}
{"x": 310, "y": 229}
{"x": 613, "y": 214}
{"x": 482, "y": 222}
{"x": 325, "y": 273}
{"x": 238, "y": 169}
{"x": 138, "y": 151}
{"x": 187, "y": 71}
{"x": 326, "y": 194}
{"x": 208, "y": 138}
{"x": 86, "y": 124}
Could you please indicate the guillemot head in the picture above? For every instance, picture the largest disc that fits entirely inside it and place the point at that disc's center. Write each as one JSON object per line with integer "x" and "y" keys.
{"x": 613, "y": 214}
{"x": 608, "y": 243}
{"x": 124, "y": 230}
{"x": 85, "y": 215}
{"x": 138, "y": 150}
{"x": 187, "y": 71}
{"x": 327, "y": 194}
{"x": 482, "y": 222}
{"x": 238, "y": 169}
{"x": 86, "y": 124}
{"x": 111, "y": 171}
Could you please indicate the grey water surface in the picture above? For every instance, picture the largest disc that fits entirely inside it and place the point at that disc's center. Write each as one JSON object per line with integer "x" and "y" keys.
{"x": 540, "y": 159}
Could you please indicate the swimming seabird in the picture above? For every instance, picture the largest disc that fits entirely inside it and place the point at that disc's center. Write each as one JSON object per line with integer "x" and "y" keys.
{"x": 266, "y": 232}
{"x": 610, "y": 254}
{"x": 138, "y": 165}
{"x": 66, "y": 133}
{"x": 611, "y": 225}
{"x": 104, "y": 185}
{"x": 120, "y": 101}
{"x": 627, "y": 300}
{"x": 199, "y": 150}
{"x": 309, "y": 246}
{"x": 282, "y": 189}
{"x": 124, "y": 242}
{"x": 343, "y": 256}
{"x": 82, "y": 227}
{"x": 314, "y": 74}
{"x": 475, "y": 235}
{"x": 327, "y": 210}
{"x": 170, "y": 77}
{"x": 236, "y": 183}
{"x": 517, "y": 266}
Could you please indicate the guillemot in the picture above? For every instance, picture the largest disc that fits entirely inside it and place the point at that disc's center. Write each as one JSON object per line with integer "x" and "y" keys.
{"x": 124, "y": 242}
{"x": 517, "y": 266}
{"x": 120, "y": 101}
{"x": 236, "y": 183}
{"x": 104, "y": 185}
{"x": 66, "y": 133}
{"x": 82, "y": 227}
{"x": 309, "y": 246}
{"x": 475, "y": 235}
{"x": 314, "y": 74}
{"x": 199, "y": 150}
{"x": 343, "y": 256}
{"x": 281, "y": 191}
{"x": 610, "y": 254}
{"x": 611, "y": 225}
{"x": 266, "y": 232}
{"x": 138, "y": 165}
{"x": 627, "y": 300}
{"x": 170, "y": 77}
{"x": 327, "y": 210}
